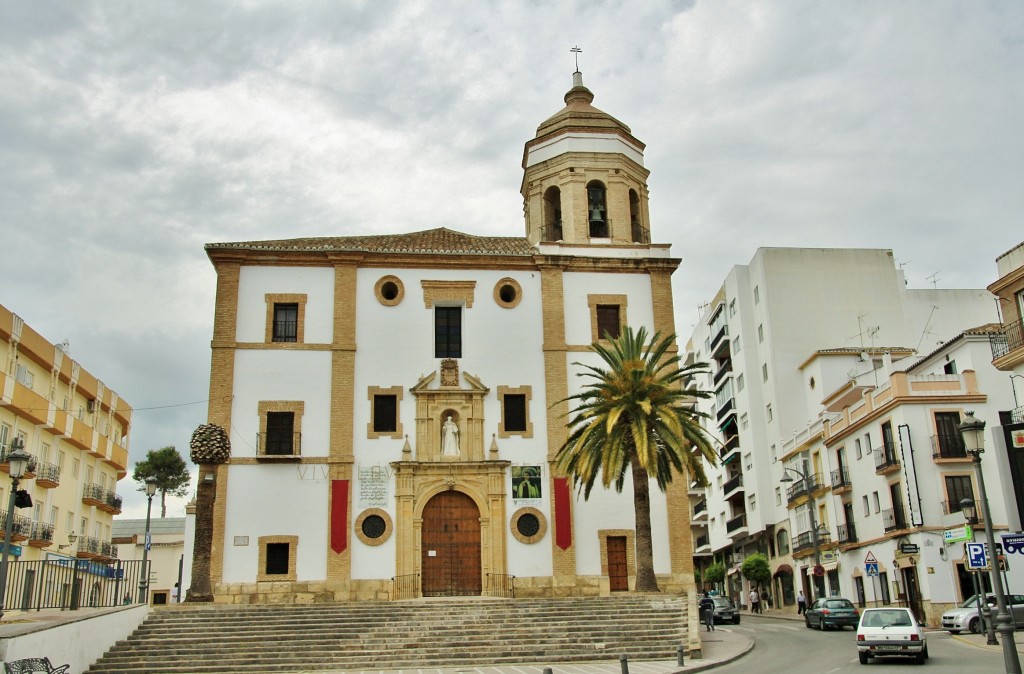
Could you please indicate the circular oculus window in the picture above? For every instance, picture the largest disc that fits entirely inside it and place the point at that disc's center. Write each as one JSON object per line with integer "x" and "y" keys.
{"x": 389, "y": 290}
{"x": 373, "y": 526}
{"x": 508, "y": 293}
{"x": 528, "y": 525}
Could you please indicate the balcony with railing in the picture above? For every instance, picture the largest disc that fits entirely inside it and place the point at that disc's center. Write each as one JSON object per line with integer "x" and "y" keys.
{"x": 702, "y": 544}
{"x": 21, "y": 527}
{"x": 720, "y": 341}
{"x": 894, "y": 519}
{"x": 803, "y": 487}
{"x": 732, "y": 485}
{"x": 41, "y": 535}
{"x": 104, "y": 499}
{"x": 803, "y": 544}
{"x": 47, "y": 475}
{"x": 1007, "y": 341}
{"x": 846, "y": 533}
{"x": 700, "y": 510}
{"x": 841, "y": 481}
{"x": 886, "y": 461}
{"x": 731, "y": 445}
{"x": 279, "y": 446}
{"x": 725, "y": 407}
{"x": 737, "y": 523}
{"x": 724, "y": 368}
{"x": 948, "y": 446}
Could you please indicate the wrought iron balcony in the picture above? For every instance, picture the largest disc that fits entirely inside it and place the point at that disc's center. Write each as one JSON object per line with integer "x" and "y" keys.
{"x": 893, "y": 519}
{"x": 840, "y": 479}
{"x": 104, "y": 499}
{"x": 802, "y": 487}
{"x": 886, "y": 461}
{"x": 41, "y": 536}
{"x": 948, "y": 446}
{"x": 278, "y": 445}
{"x": 47, "y": 475}
{"x": 846, "y": 533}
{"x": 21, "y": 527}
{"x": 1009, "y": 339}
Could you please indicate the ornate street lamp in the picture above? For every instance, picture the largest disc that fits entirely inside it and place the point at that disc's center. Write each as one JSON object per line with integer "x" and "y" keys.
{"x": 815, "y": 535}
{"x": 18, "y": 460}
{"x": 144, "y": 578}
{"x": 973, "y": 432}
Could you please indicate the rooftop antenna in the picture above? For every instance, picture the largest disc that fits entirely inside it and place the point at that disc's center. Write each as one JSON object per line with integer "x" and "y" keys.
{"x": 934, "y": 278}
{"x": 576, "y": 51}
{"x": 926, "y": 325}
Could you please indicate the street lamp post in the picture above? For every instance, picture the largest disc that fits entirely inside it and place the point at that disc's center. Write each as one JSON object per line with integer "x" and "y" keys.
{"x": 144, "y": 578}
{"x": 815, "y": 541}
{"x": 973, "y": 432}
{"x": 18, "y": 460}
{"x": 970, "y": 512}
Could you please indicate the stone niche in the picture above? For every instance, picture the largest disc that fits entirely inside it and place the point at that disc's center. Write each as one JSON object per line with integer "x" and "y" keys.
{"x": 436, "y": 402}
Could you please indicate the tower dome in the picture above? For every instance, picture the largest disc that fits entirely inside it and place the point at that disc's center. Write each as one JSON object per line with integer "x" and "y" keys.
{"x": 584, "y": 180}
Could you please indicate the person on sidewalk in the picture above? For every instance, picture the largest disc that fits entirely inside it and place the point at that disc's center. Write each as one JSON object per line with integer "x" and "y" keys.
{"x": 801, "y": 603}
{"x": 707, "y": 609}
{"x": 766, "y": 600}
{"x": 755, "y": 602}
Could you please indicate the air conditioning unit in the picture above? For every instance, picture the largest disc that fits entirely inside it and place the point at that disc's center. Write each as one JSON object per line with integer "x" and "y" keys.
{"x": 90, "y": 406}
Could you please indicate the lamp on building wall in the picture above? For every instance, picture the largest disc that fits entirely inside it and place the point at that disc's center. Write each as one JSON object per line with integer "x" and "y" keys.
{"x": 972, "y": 430}
{"x": 144, "y": 578}
{"x": 18, "y": 461}
{"x": 816, "y": 535}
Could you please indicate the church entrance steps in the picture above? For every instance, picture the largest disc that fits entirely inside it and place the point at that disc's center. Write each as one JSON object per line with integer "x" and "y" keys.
{"x": 200, "y": 639}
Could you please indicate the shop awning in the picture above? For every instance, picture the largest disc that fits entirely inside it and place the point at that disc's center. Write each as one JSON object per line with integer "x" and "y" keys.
{"x": 783, "y": 570}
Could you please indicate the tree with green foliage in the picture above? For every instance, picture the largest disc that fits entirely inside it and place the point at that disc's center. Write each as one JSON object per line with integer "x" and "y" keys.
{"x": 169, "y": 469}
{"x": 634, "y": 416}
{"x": 715, "y": 573}
{"x": 755, "y": 568}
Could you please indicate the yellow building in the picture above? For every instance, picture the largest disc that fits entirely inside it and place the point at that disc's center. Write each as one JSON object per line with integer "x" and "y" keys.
{"x": 76, "y": 430}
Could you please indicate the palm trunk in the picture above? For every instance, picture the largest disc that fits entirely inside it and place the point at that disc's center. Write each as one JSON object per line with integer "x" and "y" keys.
{"x": 645, "y": 578}
{"x": 202, "y": 589}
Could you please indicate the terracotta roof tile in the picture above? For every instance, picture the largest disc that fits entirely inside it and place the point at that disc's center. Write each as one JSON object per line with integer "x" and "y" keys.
{"x": 431, "y": 241}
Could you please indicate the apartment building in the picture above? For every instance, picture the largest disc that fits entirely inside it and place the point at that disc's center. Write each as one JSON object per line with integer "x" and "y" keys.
{"x": 76, "y": 429}
{"x": 845, "y": 309}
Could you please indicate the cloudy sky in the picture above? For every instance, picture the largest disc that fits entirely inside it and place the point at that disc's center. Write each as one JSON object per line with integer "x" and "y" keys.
{"x": 131, "y": 133}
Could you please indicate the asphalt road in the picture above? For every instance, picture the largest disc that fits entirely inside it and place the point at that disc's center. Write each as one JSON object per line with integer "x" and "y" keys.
{"x": 790, "y": 648}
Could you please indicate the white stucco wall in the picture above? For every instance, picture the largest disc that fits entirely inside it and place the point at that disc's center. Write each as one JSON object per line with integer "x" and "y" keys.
{"x": 254, "y": 283}
{"x": 276, "y": 500}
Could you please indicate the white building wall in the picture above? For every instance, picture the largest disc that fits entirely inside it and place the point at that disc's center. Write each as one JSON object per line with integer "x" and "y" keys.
{"x": 254, "y": 283}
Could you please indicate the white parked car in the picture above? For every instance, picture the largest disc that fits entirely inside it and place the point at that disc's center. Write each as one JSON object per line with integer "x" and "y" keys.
{"x": 965, "y": 617}
{"x": 891, "y": 631}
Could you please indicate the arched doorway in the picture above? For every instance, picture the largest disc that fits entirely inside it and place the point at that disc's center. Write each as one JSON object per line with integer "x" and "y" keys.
{"x": 450, "y": 546}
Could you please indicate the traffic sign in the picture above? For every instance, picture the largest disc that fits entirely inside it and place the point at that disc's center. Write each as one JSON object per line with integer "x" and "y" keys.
{"x": 149, "y": 541}
{"x": 870, "y": 558}
{"x": 957, "y": 534}
{"x": 977, "y": 556}
{"x": 871, "y": 568}
{"x": 1014, "y": 543}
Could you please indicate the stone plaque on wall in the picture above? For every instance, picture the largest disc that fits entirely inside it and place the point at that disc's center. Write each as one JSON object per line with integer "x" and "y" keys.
{"x": 373, "y": 486}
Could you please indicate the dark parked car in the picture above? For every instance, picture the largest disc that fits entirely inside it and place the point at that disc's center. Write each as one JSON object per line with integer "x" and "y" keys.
{"x": 725, "y": 611}
{"x": 831, "y": 612}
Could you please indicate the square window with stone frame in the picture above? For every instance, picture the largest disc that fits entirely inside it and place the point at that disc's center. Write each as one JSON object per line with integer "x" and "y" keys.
{"x": 958, "y": 488}
{"x": 385, "y": 413}
{"x": 608, "y": 325}
{"x": 286, "y": 322}
{"x": 514, "y": 412}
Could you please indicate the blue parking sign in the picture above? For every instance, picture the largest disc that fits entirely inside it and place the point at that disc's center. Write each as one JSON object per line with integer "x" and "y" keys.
{"x": 976, "y": 556}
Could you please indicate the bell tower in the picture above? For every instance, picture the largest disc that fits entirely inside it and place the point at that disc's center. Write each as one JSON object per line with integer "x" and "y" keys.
{"x": 584, "y": 180}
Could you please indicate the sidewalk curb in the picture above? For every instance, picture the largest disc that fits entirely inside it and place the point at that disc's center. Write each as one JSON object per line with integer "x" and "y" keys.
{"x": 749, "y": 646}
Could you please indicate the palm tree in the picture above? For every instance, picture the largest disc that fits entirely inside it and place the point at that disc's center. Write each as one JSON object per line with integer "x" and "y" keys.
{"x": 634, "y": 415}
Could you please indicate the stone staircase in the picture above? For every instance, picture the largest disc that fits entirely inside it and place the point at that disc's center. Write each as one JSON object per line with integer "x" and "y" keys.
{"x": 196, "y": 639}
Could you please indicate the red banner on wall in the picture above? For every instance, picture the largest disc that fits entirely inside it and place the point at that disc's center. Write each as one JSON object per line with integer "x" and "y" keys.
{"x": 339, "y": 515}
{"x": 563, "y": 513}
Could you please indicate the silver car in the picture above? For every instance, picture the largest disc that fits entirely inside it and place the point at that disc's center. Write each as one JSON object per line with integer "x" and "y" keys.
{"x": 965, "y": 617}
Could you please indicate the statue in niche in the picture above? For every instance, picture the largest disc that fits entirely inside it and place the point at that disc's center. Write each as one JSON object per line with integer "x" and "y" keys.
{"x": 449, "y": 438}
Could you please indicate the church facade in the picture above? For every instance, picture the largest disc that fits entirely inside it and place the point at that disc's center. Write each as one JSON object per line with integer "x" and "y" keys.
{"x": 395, "y": 402}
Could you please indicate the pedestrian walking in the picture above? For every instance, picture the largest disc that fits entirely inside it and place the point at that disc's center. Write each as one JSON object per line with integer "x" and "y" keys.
{"x": 707, "y": 609}
{"x": 766, "y": 600}
{"x": 755, "y": 602}
{"x": 801, "y": 603}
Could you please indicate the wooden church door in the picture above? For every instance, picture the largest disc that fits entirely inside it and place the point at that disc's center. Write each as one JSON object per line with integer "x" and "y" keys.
{"x": 450, "y": 546}
{"x": 618, "y": 569}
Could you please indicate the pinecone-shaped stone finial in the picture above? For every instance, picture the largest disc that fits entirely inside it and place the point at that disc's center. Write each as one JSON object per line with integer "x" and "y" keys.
{"x": 210, "y": 444}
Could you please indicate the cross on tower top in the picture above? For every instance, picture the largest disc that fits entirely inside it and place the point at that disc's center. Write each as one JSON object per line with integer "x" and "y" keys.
{"x": 576, "y": 53}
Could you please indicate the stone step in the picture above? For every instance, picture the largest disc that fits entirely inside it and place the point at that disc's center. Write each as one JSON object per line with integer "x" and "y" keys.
{"x": 397, "y": 635}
